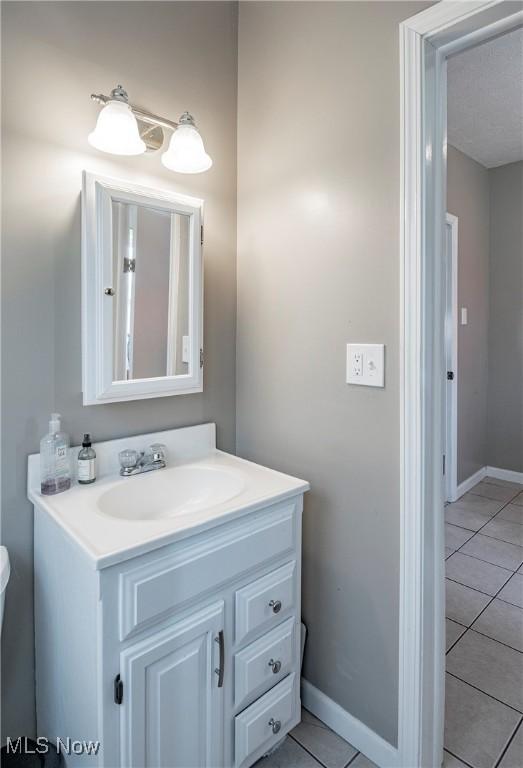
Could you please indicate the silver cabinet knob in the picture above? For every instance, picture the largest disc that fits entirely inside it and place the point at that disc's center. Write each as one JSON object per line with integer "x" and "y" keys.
{"x": 275, "y": 725}
{"x": 275, "y": 665}
{"x": 109, "y": 291}
{"x": 275, "y": 605}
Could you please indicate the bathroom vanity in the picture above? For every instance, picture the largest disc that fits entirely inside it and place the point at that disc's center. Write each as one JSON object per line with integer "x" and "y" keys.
{"x": 168, "y": 607}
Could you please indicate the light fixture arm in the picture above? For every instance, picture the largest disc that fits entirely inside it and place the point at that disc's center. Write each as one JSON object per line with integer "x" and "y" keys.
{"x": 141, "y": 114}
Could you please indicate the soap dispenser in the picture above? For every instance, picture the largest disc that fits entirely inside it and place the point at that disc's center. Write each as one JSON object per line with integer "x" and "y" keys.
{"x": 55, "y": 467}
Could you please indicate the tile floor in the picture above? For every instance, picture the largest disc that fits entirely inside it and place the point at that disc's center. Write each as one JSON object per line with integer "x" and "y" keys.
{"x": 484, "y": 609}
{"x": 484, "y": 686}
{"x": 313, "y": 745}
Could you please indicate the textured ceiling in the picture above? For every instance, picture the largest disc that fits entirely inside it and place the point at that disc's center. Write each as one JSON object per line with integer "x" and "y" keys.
{"x": 485, "y": 101}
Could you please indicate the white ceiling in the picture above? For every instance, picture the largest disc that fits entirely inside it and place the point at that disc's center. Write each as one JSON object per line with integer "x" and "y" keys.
{"x": 485, "y": 101}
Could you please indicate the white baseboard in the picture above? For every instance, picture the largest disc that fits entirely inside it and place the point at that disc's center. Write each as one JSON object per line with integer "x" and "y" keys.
{"x": 470, "y": 482}
{"x": 504, "y": 474}
{"x": 348, "y": 727}
{"x": 481, "y": 474}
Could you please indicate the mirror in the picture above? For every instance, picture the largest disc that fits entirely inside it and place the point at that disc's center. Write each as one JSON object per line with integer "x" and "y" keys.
{"x": 141, "y": 274}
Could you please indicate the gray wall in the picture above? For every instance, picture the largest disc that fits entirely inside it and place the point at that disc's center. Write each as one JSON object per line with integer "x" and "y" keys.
{"x": 170, "y": 57}
{"x": 318, "y": 266}
{"x": 505, "y": 354}
{"x": 468, "y": 199}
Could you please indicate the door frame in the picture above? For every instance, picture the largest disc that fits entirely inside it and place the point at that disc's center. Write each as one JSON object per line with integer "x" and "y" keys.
{"x": 426, "y": 40}
{"x": 451, "y": 403}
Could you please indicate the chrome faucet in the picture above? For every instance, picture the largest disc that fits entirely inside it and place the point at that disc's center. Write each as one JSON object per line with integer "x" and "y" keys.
{"x": 135, "y": 462}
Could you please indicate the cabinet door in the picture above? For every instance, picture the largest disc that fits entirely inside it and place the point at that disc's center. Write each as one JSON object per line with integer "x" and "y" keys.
{"x": 172, "y": 709}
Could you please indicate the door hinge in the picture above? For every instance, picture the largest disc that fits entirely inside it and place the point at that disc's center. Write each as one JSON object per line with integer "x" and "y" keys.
{"x": 444, "y": 464}
{"x": 450, "y": 375}
{"x": 201, "y": 234}
{"x": 118, "y": 690}
{"x": 201, "y": 358}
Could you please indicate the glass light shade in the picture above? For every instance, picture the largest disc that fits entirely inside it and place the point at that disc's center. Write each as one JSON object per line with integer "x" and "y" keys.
{"x": 117, "y": 131}
{"x": 186, "y": 153}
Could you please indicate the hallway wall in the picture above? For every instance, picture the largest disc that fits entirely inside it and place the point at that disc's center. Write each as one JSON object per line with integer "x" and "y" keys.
{"x": 505, "y": 339}
{"x": 468, "y": 198}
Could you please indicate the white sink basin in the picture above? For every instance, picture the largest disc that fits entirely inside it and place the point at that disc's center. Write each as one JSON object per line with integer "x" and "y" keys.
{"x": 170, "y": 492}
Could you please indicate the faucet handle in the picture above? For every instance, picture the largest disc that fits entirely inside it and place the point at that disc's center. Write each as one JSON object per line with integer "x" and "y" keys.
{"x": 157, "y": 451}
{"x": 129, "y": 458}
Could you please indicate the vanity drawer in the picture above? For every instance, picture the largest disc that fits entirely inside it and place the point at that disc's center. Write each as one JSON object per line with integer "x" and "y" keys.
{"x": 151, "y": 587}
{"x": 263, "y": 602}
{"x": 258, "y": 728}
{"x": 264, "y": 662}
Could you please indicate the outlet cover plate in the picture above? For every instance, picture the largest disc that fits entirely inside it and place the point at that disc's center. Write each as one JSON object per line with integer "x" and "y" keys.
{"x": 366, "y": 364}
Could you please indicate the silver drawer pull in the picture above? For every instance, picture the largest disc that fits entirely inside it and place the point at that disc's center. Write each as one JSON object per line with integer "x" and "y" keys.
{"x": 276, "y": 666}
{"x": 275, "y": 605}
{"x": 275, "y": 725}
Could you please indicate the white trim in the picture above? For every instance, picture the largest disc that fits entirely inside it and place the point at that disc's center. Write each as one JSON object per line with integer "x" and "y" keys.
{"x": 423, "y": 41}
{"x": 97, "y": 308}
{"x": 348, "y": 727}
{"x": 499, "y": 474}
{"x": 504, "y": 474}
{"x": 451, "y": 447}
{"x": 470, "y": 482}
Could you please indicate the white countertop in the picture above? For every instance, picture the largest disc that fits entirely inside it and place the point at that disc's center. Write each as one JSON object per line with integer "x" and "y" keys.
{"x": 107, "y": 540}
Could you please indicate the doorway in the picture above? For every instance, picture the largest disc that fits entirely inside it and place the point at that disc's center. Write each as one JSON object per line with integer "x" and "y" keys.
{"x": 427, "y": 40}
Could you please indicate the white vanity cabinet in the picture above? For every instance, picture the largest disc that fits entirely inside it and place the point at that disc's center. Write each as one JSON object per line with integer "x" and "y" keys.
{"x": 183, "y": 656}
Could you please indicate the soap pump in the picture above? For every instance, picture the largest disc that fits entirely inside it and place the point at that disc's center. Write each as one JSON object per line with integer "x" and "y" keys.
{"x": 55, "y": 467}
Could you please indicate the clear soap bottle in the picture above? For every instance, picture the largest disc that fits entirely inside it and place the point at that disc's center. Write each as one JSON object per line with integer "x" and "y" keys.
{"x": 86, "y": 462}
{"x": 55, "y": 465}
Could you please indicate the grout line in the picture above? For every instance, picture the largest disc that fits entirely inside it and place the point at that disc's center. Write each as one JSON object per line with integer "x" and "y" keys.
{"x": 494, "y": 639}
{"x": 511, "y": 739}
{"x": 308, "y": 750}
{"x": 474, "y": 589}
{"x": 490, "y": 696}
{"x": 353, "y": 758}
{"x": 475, "y": 557}
{"x": 458, "y": 758}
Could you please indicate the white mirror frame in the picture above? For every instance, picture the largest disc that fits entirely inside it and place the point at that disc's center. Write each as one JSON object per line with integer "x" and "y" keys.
{"x": 98, "y": 386}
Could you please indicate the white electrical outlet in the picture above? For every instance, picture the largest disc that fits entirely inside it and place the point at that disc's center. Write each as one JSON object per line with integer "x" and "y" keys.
{"x": 366, "y": 364}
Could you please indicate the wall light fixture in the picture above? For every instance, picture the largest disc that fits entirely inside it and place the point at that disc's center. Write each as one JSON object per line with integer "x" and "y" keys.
{"x": 125, "y": 129}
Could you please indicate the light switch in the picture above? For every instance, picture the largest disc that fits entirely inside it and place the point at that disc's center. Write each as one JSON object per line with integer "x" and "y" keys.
{"x": 464, "y": 316}
{"x": 366, "y": 364}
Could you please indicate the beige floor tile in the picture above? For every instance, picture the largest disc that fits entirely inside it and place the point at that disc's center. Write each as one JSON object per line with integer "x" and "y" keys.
{"x": 453, "y": 632}
{"x": 465, "y": 517}
{"x": 463, "y": 604}
{"x": 455, "y": 537}
{"x": 476, "y": 573}
{"x": 513, "y": 757}
{"x": 480, "y": 503}
{"x": 507, "y": 483}
{"x": 477, "y": 728}
{"x": 512, "y": 592}
{"x": 289, "y": 755}
{"x": 490, "y": 666}
{"x": 494, "y": 551}
{"x": 449, "y": 761}
{"x": 324, "y": 744}
{"x": 503, "y": 622}
{"x": 494, "y": 491}
{"x": 504, "y": 530}
{"x": 513, "y": 513}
